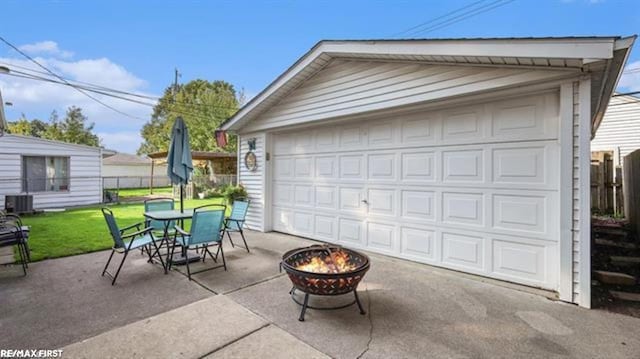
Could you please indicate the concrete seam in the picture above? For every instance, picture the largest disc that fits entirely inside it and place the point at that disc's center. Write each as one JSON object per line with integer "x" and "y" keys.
{"x": 254, "y": 283}
{"x": 235, "y": 340}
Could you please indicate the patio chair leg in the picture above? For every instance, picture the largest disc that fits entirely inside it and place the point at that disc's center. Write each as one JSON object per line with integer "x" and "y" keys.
{"x": 304, "y": 307}
{"x": 164, "y": 266}
{"x": 210, "y": 255}
{"x": 22, "y": 259}
{"x": 109, "y": 261}
{"x": 186, "y": 256}
{"x": 244, "y": 240}
{"x": 224, "y": 263}
{"x": 230, "y": 240}
{"x": 170, "y": 258}
{"x": 119, "y": 267}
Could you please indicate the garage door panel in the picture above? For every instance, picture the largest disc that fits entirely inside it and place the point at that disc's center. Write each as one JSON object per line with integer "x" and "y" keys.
{"x": 352, "y": 167}
{"x": 381, "y": 236}
{"x": 381, "y": 202}
{"x": 523, "y": 261}
{"x": 351, "y": 232}
{"x": 418, "y": 205}
{"x": 351, "y": 199}
{"x": 303, "y": 195}
{"x": 463, "y": 124}
{"x": 418, "y": 128}
{"x": 350, "y": 137}
{"x": 532, "y": 117}
{"x": 463, "y": 208}
{"x": 282, "y": 194}
{"x": 326, "y": 227}
{"x": 326, "y": 167}
{"x": 326, "y": 140}
{"x": 463, "y": 251}
{"x": 417, "y": 243}
{"x": 474, "y": 188}
{"x": 326, "y": 197}
{"x": 282, "y": 220}
{"x": 382, "y": 167}
{"x": 418, "y": 167}
{"x": 382, "y": 134}
{"x": 303, "y": 222}
{"x": 284, "y": 167}
{"x": 465, "y": 165}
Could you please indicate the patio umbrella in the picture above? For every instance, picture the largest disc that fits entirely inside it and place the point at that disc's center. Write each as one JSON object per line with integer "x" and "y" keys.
{"x": 179, "y": 163}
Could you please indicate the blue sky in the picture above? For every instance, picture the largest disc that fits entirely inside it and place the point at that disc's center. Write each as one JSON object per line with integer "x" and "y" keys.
{"x": 135, "y": 46}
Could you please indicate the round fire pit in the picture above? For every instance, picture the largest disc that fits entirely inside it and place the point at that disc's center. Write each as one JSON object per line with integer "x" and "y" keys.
{"x": 325, "y": 270}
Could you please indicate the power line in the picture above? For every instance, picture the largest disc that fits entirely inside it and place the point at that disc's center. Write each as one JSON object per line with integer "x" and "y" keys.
{"x": 463, "y": 16}
{"x": 181, "y": 109}
{"x": 436, "y": 18}
{"x": 89, "y": 86}
{"x": 64, "y": 80}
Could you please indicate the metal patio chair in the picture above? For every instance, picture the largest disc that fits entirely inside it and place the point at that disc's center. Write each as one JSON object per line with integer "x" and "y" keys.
{"x": 18, "y": 225}
{"x": 124, "y": 243}
{"x": 206, "y": 230}
{"x": 236, "y": 219}
{"x": 11, "y": 234}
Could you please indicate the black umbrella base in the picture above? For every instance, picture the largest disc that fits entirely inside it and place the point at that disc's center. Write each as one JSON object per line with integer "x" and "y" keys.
{"x": 179, "y": 260}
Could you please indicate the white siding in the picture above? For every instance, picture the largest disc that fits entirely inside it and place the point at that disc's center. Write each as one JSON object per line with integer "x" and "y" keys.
{"x": 620, "y": 128}
{"x": 85, "y": 186}
{"x": 347, "y": 87}
{"x": 253, "y": 181}
{"x": 581, "y": 194}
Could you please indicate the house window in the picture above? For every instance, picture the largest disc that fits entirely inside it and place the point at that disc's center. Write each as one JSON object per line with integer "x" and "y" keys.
{"x": 45, "y": 174}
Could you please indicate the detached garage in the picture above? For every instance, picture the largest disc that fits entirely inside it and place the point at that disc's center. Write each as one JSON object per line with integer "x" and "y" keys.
{"x": 467, "y": 154}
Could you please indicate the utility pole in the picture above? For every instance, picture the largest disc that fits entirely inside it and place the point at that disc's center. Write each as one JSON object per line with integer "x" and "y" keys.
{"x": 175, "y": 84}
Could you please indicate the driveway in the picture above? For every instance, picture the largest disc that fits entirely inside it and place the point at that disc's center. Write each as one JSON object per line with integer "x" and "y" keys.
{"x": 414, "y": 310}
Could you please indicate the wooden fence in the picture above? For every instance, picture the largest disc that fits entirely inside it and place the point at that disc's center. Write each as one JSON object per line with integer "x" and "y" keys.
{"x": 606, "y": 184}
{"x": 632, "y": 189}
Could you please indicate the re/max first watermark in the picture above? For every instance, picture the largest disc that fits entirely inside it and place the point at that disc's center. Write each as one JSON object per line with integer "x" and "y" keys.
{"x": 30, "y": 353}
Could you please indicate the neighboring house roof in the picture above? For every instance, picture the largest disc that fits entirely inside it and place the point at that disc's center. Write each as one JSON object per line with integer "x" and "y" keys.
{"x": 196, "y": 155}
{"x": 126, "y": 159}
{"x": 59, "y": 143}
{"x": 603, "y": 57}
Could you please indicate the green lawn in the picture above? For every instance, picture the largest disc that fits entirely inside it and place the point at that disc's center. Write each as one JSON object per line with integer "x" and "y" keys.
{"x": 77, "y": 231}
{"x": 140, "y": 192}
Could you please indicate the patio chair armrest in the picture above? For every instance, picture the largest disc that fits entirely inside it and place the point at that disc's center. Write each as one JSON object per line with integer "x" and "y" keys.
{"x": 137, "y": 233}
{"x": 181, "y": 231}
{"x": 136, "y": 226}
{"x": 14, "y": 217}
{"x": 239, "y": 221}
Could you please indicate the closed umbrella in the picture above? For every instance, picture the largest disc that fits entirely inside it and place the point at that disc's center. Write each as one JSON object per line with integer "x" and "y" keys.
{"x": 179, "y": 163}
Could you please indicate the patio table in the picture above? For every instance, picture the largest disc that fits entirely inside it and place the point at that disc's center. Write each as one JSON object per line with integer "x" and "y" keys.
{"x": 167, "y": 217}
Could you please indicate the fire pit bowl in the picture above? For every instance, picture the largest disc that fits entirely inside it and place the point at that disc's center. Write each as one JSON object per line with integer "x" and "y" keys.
{"x": 325, "y": 270}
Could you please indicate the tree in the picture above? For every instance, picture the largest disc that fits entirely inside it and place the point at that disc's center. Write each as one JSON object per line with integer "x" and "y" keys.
{"x": 73, "y": 129}
{"x": 202, "y": 104}
{"x": 20, "y": 127}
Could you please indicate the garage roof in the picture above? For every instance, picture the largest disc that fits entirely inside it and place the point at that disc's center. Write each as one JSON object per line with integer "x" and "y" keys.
{"x": 603, "y": 57}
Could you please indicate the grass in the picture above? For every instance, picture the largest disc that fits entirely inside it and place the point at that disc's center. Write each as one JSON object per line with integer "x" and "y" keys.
{"x": 140, "y": 192}
{"x": 83, "y": 230}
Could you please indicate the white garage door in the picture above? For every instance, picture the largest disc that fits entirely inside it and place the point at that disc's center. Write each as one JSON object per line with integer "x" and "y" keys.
{"x": 471, "y": 188}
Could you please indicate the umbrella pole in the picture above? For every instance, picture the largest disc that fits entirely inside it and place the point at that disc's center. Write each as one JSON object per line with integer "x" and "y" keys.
{"x": 181, "y": 198}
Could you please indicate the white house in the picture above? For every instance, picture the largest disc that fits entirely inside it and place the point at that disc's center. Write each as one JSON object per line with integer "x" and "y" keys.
{"x": 619, "y": 131}
{"x": 57, "y": 174}
{"x": 125, "y": 170}
{"x": 470, "y": 154}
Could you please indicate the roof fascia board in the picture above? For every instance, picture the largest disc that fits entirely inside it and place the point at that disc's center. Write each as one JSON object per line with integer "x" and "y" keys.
{"x": 566, "y": 49}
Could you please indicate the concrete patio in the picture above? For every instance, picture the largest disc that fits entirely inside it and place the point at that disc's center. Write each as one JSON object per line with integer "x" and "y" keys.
{"x": 414, "y": 310}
